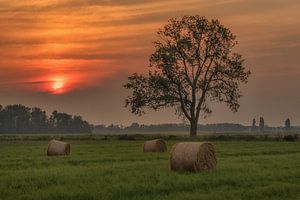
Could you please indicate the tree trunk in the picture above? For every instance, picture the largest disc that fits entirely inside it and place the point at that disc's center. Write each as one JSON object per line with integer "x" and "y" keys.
{"x": 193, "y": 128}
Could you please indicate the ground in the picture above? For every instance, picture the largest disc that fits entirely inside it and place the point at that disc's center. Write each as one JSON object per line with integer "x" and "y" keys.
{"x": 120, "y": 170}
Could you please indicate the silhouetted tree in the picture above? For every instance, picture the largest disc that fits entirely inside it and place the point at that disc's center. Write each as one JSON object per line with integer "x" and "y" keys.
{"x": 287, "y": 124}
{"x": 261, "y": 124}
{"x": 15, "y": 118}
{"x": 253, "y": 128}
{"x": 80, "y": 125}
{"x": 61, "y": 121}
{"x": 133, "y": 126}
{"x": 113, "y": 127}
{"x": 21, "y": 119}
{"x": 193, "y": 63}
{"x": 38, "y": 120}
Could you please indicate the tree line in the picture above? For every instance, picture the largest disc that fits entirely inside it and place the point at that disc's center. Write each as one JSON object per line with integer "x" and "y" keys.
{"x": 18, "y": 118}
{"x": 262, "y": 127}
{"x": 218, "y": 127}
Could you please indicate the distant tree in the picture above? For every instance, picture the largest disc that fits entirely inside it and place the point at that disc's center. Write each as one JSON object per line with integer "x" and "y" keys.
{"x": 193, "y": 63}
{"x": 113, "y": 127}
{"x": 77, "y": 124}
{"x": 80, "y": 125}
{"x": 134, "y": 126}
{"x": 38, "y": 120}
{"x": 287, "y": 124}
{"x": 261, "y": 124}
{"x": 15, "y": 118}
{"x": 253, "y": 128}
{"x": 61, "y": 121}
{"x": 21, "y": 119}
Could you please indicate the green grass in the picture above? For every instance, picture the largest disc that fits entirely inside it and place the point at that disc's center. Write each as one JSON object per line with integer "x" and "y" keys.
{"x": 120, "y": 170}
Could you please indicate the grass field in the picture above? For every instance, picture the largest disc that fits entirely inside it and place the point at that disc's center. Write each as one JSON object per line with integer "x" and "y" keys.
{"x": 120, "y": 170}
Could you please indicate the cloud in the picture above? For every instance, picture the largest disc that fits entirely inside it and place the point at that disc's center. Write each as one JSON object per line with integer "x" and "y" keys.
{"x": 99, "y": 43}
{"x": 37, "y": 82}
{"x": 15, "y": 6}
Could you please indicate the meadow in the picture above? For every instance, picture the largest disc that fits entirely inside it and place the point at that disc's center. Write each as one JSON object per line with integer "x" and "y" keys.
{"x": 118, "y": 169}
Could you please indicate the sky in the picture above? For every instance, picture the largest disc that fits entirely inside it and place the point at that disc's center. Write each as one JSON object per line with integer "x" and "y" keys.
{"x": 74, "y": 55}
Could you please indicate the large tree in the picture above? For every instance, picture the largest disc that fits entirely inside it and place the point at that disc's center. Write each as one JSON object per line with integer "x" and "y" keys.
{"x": 193, "y": 63}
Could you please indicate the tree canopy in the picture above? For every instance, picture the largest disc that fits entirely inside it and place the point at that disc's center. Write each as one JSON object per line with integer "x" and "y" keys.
{"x": 21, "y": 119}
{"x": 193, "y": 64}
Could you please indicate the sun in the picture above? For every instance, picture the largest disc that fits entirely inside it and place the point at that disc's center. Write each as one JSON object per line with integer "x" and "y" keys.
{"x": 58, "y": 85}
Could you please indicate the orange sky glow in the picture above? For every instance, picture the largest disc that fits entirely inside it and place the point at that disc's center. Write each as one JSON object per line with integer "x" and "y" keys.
{"x": 75, "y": 55}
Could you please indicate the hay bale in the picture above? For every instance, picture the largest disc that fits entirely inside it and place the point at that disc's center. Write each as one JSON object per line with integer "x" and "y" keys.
{"x": 56, "y": 148}
{"x": 157, "y": 145}
{"x": 193, "y": 156}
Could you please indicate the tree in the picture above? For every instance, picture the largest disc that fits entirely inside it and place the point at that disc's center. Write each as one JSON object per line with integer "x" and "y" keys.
{"x": 15, "y": 118}
{"x": 134, "y": 126}
{"x": 38, "y": 120}
{"x": 261, "y": 124}
{"x": 253, "y": 124}
{"x": 287, "y": 124}
{"x": 61, "y": 121}
{"x": 21, "y": 119}
{"x": 193, "y": 63}
{"x": 79, "y": 125}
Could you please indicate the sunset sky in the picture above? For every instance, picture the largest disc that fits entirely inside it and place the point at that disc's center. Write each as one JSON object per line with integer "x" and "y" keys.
{"x": 75, "y": 55}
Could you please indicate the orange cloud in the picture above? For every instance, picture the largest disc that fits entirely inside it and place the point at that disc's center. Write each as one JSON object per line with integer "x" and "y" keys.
{"x": 74, "y": 46}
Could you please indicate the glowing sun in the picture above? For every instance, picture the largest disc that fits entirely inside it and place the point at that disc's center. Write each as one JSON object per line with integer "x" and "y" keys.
{"x": 58, "y": 85}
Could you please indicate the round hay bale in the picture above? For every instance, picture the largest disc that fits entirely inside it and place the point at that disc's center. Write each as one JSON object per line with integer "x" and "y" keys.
{"x": 157, "y": 145}
{"x": 56, "y": 148}
{"x": 193, "y": 156}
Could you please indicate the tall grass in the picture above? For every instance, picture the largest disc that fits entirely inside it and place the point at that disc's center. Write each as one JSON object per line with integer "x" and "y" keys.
{"x": 120, "y": 170}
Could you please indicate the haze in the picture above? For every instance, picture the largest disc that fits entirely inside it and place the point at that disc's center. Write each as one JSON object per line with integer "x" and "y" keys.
{"x": 74, "y": 55}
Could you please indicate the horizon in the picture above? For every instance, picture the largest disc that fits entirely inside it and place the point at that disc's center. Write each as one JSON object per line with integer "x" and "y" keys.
{"x": 174, "y": 123}
{"x": 77, "y": 62}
